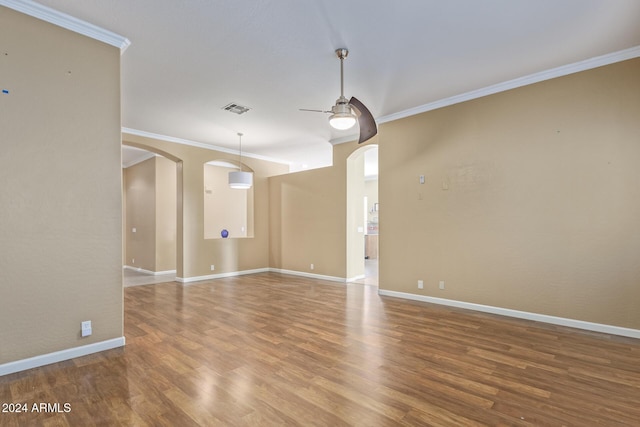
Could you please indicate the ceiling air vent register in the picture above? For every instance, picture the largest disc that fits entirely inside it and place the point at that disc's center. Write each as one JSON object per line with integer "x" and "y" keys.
{"x": 236, "y": 108}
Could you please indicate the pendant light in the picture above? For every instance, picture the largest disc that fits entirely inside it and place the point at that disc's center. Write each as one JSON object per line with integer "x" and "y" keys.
{"x": 240, "y": 179}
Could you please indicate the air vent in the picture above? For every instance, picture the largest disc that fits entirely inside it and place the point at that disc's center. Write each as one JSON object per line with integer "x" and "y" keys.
{"x": 236, "y": 108}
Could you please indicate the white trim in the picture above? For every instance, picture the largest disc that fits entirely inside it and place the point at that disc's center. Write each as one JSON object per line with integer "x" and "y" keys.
{"x": 155, "y": 273}
{"x": 159, "y": 273}
{"x": 343, "y": 139}
{"x": 309, "y": 275}
{"x": 353, "y": 279}
{"x": 222, "y": 164}
{"x": 200, "y": 145}
{"x": 63, "y": 20}
{"x": 261, "y": 270}
{"x": 564, "y": 70}
{"x": 59, "y": 356}
{"x": 562, "y": 321}
{"x": 220, "y": 275}
{"x": 146, "y": 156}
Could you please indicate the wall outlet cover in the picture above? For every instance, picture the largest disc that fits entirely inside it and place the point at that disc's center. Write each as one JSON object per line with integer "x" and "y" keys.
{"x": 86, "y": 328}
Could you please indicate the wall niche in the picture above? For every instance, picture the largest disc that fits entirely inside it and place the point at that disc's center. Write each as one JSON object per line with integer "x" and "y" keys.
{"x": 226, "y": 209}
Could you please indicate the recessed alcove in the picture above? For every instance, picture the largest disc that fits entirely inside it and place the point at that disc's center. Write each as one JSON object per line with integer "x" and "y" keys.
{"x": 226, "y": 208}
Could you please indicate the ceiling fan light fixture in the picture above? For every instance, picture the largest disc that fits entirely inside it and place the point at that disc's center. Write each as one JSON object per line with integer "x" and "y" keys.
{"x": 342, "y": 121}
{"x": 342, "y": 117}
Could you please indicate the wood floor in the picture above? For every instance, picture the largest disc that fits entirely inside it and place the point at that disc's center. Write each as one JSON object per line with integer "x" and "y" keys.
{"x": 270, "y": 349}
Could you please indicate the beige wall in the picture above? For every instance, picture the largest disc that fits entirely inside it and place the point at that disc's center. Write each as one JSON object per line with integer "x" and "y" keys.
{"x": 225, "y": 208}
{"x": 60, "y": 189}
{"x": 166, "y": 214}
{"x": 150, "y": 200}
{"x": 140, "y": 214}
{"x": 531, "y": 200}
{"x": 195, "y": 254}
{"x": 309, "y": 218}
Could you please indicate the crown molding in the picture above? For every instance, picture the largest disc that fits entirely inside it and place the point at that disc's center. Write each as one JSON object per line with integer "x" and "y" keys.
{"x": 343, "y": 139}
{"x": 564, "y": 70}
{"x": 201, "y": 145}
{"x": 63, "y": 20}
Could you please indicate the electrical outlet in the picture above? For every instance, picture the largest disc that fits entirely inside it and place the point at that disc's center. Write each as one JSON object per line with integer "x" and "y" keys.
{"x": 312, "y": 266}
{"x": 420, "y": 284}
{"x": 86, "y": 328}
{"x": 133, "y": 260}
{"x": 441, "y": 284}
{"x": 213, "y": 267}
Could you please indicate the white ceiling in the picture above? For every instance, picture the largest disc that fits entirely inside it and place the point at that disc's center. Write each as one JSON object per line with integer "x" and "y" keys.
{"x": 188, "y": 59}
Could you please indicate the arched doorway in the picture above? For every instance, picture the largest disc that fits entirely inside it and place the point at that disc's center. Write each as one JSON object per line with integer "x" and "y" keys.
{"x": 362, "y": 215}
{"x": 152, "y": 216}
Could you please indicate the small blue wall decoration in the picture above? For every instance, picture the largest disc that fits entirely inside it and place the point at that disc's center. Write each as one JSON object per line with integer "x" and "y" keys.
{"x": 224, "y": 233}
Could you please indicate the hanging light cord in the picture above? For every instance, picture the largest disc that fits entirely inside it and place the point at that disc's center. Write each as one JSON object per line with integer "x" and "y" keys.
{"x": 240, "y": 136}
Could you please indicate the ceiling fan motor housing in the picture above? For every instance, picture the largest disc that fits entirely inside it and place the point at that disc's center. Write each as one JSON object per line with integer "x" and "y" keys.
{"x": 342, "y": 106}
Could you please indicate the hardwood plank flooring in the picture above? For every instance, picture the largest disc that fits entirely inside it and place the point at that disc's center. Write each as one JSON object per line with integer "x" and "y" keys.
{"x": 270, "y": 349}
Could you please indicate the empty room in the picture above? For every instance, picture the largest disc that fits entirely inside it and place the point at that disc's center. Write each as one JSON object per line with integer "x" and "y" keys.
{"x": 323, "y": 213}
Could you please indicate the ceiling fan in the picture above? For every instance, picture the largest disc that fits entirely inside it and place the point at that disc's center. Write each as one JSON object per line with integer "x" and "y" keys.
{"x": 346, "y": 113}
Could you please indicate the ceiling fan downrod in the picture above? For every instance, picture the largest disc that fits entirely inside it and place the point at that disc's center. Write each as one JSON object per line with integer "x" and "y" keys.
{"x": 342, "y": 117}
{"x": 342, "y": 54}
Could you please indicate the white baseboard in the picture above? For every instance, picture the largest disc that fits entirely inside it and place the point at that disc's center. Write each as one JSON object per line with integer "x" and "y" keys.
{"x": 353, "y": 279}
{"x": 155, "y": 273}
{"x": 160, "y": 273}
{"x": 572, "y": 323}
{"x": 309, "y": 275}
{"x": 220, "y": 275}
{"x": 260, "y": 270}
{"x": 59, "y": 356}
{"x": 263, "y": 270}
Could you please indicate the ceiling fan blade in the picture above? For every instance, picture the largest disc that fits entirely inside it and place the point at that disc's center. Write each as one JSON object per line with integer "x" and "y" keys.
{"x": 313, "y": 111}
{"x": 367, "y": 123}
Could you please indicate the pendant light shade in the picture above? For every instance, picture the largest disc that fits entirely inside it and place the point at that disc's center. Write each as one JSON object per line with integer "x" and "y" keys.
{"x": 240, "y": 180}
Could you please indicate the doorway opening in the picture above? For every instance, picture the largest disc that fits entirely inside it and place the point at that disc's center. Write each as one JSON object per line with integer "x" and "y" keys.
{"x": 150, "y": 217}
{"x": 362, "y": 216}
